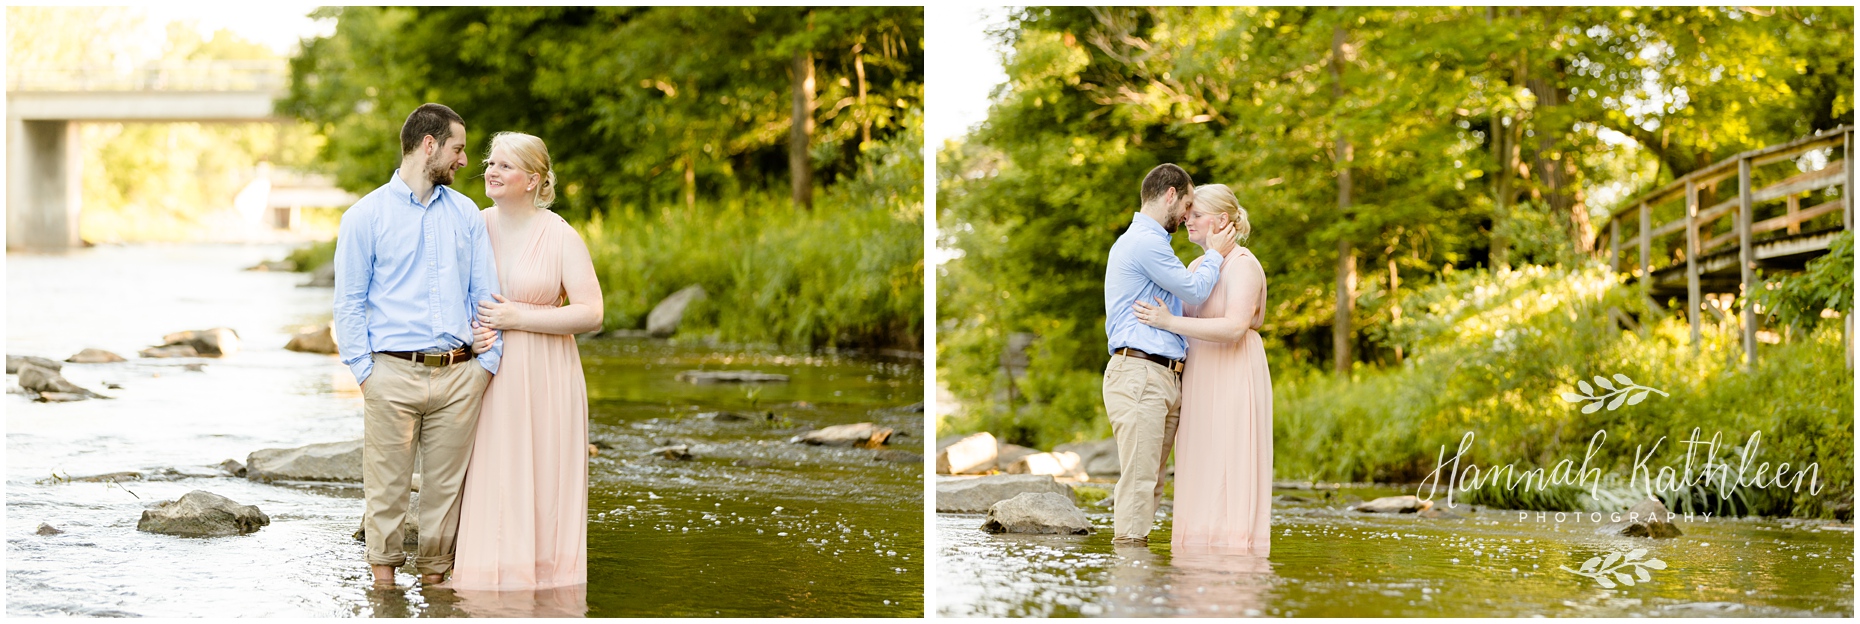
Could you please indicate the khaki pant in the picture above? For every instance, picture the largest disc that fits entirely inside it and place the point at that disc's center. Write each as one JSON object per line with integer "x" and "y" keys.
{"x": 1144, "y": 403}
{"x": 409, "y": 408}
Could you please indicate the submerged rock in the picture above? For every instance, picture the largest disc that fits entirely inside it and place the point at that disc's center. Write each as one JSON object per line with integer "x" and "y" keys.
{"x": 202, "y": 514}
{"x": 174, "y": 351}
{"x": 409, "y": 531}
{"x": 216, "y": 342}
{"x": 664, "y": 319}
{"x": 735, "y": 417}
{"x": 864, "y": 435}
{"x": 1394, "y": 504}
{"x": 60, "y": 397}
{"x": 329, "y": 461}
{"x": 313, "y": 340}
{"x": 711, "y": 377}
{"x": 94, "y": 356}
{"x": 1648, "y": 518}
{"x": 977, "y": 494}
{"x": 46, "y": 529}
{"x": 897, "y": 456}
{"x": 675, "y": 451}
{"x": 48, "y": 381}
{"x": 1037, "y": 512}
{"x": 13, "y": 362}
{"x": 970, "y": 454}
{"x": 233, "y": 468}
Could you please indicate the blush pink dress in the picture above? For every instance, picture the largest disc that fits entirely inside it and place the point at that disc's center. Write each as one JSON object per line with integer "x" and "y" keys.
{"x": 1223, "y": 447}
{"x": 523, "y": 524}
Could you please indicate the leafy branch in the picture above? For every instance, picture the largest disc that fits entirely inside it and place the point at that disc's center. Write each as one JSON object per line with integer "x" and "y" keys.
{"x": 1623, "y": 394}
{"x": 1601, "y": 569}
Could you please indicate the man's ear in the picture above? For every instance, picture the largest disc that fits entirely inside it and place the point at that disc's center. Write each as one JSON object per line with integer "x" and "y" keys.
{"x": 429, "y": 145}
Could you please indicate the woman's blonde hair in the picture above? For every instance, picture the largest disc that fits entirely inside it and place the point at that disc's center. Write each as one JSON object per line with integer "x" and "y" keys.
{"x": 531, "y": 156}
{"x": 1218, "y": 199}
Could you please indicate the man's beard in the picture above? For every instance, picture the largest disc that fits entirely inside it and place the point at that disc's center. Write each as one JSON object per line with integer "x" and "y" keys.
{"x": 441, "y": 176}
{"x": 1170, "y": 227}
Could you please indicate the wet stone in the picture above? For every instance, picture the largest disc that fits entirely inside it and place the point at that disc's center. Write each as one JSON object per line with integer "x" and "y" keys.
{"x": 1037, "y": 512}
{"x": 94, "y": 356}
{"x": 13, "y": 362}
{"x": 47, "y": 529}
{"x": 202, "y": 514}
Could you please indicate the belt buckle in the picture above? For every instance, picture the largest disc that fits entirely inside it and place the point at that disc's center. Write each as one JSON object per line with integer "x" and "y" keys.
{"x": 434, "y": 360}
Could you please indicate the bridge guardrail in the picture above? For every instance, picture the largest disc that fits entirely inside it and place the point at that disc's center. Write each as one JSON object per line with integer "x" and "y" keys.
{"x": 191, "y": 76}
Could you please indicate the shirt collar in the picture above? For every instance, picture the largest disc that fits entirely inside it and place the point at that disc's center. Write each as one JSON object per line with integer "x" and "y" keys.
{"x": 400, "y": 189}
{"x": 1141, "y": 220}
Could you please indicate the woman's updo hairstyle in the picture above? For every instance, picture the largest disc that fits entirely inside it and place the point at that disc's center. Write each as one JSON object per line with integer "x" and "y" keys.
{"x": 1218, "y": 199}
{"x": 531, "y": 156}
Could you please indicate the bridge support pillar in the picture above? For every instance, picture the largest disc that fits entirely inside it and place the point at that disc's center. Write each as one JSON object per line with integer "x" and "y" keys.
{"x": 44, "y": 185}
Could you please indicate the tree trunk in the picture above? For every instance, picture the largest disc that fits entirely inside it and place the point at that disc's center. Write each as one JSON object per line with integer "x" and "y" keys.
{"x": 1501, "y": 183}
{"x": 1346, "y": 252}
{"x": 801, "y": 137}
{"x": 865, "y": 116}
{"x": 690, "y": 181}
{"x": 1562, "y": 187}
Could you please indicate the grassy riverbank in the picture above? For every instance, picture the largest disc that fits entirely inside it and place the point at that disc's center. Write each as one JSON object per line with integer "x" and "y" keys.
{"x": 1492, "y": 353}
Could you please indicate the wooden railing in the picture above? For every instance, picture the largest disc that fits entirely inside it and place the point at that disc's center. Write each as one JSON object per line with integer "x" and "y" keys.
{"x": 1697, "y": 250}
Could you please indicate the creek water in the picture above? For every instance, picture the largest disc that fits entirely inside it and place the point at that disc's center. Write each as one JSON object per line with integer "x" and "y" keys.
{"x": 751, "y": 526}
{"x": 1327, "y": 561}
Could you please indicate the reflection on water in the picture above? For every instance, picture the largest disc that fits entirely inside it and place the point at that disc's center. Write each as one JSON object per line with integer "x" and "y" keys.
{"x": 751, "y": 525}
{"x": 1329, "y": 562}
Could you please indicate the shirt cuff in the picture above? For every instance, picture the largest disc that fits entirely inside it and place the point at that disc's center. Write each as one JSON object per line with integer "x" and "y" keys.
{"x": 362, "y": 367}
{"x": 489, "y": 362}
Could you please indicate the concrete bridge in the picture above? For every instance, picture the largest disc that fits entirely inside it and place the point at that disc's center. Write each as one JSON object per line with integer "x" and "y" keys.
{"x": 44, "y": 172}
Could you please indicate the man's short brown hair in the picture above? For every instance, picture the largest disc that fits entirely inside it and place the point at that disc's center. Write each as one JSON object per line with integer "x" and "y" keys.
{"x": 434, "y": 120}
{"x": 1164, "y": 177}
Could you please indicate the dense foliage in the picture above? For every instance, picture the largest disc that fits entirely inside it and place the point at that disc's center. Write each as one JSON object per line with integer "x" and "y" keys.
{"x": 1424, "y": 144}
{"x": 670, "y": 129}
{"x": 640, "y": 106}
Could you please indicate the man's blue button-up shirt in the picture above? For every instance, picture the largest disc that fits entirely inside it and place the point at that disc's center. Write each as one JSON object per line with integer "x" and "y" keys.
{"x": 409, "y": 276}
{"x": 1142, "y": 267}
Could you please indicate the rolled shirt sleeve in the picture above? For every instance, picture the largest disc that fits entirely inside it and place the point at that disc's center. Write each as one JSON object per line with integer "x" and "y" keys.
{"x": 355, "y": 254}
{"x": 483, "y": 285}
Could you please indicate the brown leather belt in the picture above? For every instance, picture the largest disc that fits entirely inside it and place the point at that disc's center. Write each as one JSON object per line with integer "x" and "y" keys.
{"x": 1174, "y": 366}
{"x": 434, "y": 360}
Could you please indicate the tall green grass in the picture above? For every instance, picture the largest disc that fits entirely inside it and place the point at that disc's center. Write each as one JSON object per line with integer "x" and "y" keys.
{"x": 847, "y": 273}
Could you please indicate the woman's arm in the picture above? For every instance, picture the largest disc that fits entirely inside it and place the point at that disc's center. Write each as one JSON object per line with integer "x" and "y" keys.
{"x": 583, "y": 313}
{"x": 1242, "y": 304}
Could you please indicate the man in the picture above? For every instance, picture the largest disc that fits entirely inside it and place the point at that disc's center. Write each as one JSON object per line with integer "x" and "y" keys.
{"x": 1143, "y": 382}
{"x": 412, "y": 263}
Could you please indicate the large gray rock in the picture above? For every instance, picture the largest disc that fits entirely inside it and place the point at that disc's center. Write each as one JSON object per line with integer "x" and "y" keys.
{"x": 171, "y": 351}
{"x": 1063, "y": 465}
{"x": 1394, "y": 504}
{"x": 977, "y": 494}
{"x": 1006, "y": 454}
{"x": 202, "y": 514}
{"x": 323, "y": 277}
{"x": 47, "y": 381}
{"x": 1098, "y": 458}
{"x": 971, "y": 454}
{"x": 314, "y": 340}
{"x": 216, "y": 342}
{"x": 863, "y": 435}
{"x": 94, "y": 356}
{"x": 663, "y": 321}
{"x": 13, "y": 362}
{"x": 1037, "y": 512}
{"x": 1648, "y": 518}
{"x": 329, "y": 461}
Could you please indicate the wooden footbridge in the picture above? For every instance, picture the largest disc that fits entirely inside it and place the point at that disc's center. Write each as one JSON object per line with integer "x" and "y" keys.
{"x": 1782, "y": 225}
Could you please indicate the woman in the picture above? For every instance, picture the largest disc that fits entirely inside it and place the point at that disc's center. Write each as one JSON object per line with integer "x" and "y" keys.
{"x": 1223, "y": 448}
{"x": 524, "y": 518}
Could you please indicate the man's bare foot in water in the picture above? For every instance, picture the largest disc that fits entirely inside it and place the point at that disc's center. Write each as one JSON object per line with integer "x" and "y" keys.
{"x": 384, "y": 575}
{"x": 433, "y": 579}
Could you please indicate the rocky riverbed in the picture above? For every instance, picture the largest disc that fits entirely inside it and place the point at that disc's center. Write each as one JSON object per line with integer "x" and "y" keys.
{"x": 813, "y": 529}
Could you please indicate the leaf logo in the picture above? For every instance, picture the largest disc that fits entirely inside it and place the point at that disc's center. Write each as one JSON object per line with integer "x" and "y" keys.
{"x": 1610, "y": 570}
{"x": 1627, "y": 392}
